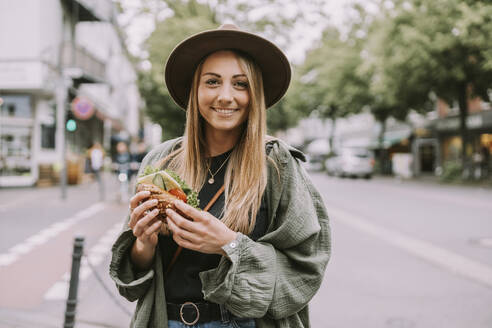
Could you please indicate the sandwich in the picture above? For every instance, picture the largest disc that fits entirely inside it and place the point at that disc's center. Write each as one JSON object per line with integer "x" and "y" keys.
{"x": 166, "y": 187}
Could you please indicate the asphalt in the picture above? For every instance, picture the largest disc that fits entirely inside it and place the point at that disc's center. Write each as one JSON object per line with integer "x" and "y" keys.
{"x": 99, "y": 304}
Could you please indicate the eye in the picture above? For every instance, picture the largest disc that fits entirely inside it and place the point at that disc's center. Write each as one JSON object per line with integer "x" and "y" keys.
{"x": 212, "y": 82}
{"x": 241, "y": 84}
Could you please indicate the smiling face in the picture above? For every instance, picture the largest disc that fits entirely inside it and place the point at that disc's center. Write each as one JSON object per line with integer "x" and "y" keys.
{"x": 223, "y": 93}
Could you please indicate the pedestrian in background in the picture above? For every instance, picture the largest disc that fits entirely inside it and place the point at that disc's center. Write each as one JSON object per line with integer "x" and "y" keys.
{"x": 138, "y": 152}
{"x": 122, "y": 169}
{"x": 96, "y": 157}
{"x": 258, "y": 256}
{"x": 485, "y": 161}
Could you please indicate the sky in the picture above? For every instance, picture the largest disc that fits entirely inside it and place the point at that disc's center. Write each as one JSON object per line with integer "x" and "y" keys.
{"x": 139, "y": 27}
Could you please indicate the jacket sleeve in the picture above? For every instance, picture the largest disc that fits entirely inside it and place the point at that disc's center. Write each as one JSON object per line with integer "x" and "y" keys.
{"x": 131, "y": 283}
{"x": 279, "y": 274}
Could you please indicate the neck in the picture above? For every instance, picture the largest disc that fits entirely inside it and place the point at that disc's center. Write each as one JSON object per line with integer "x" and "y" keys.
{"x": 219, "y": 142}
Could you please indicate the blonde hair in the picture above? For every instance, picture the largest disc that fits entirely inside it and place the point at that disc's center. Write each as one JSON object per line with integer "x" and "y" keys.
{"x": 246, "y": 172}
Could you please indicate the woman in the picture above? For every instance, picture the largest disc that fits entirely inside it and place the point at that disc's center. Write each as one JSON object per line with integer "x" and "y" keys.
{"x": 258, "y": 255}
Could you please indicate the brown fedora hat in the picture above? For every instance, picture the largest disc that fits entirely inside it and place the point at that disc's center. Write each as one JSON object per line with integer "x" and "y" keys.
{"x": 184, "y": 59}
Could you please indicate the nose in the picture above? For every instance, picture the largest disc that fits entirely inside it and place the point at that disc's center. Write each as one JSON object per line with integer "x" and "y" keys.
{"x": 225, "y": 94}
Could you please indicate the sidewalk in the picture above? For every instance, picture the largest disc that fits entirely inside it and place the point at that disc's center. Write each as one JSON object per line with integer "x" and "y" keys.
{"x": 98, "y": 305}
{"x": 433, "y": 180}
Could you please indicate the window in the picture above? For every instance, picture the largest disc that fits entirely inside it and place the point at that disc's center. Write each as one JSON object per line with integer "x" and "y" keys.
{"x": 48, "y": 127}
{"x": 16, "y": 106}
{"x": 48, "y": 136}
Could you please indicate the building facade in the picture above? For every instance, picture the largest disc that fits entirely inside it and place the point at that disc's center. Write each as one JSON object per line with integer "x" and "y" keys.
{"x": 53, "y": 52}
{"x": 478, "y": 123}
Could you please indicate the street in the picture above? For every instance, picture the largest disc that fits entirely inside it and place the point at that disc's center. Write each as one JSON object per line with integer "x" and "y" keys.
{"x": 405, "y": 254}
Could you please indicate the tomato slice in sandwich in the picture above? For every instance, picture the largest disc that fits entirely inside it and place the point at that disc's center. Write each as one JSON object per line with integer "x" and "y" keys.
{"x": 178, "y": 193}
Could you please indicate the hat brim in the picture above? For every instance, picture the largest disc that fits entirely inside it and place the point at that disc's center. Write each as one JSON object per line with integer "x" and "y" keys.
{"x": 184, "y": 59}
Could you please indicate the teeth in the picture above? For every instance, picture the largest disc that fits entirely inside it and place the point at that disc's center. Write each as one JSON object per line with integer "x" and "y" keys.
{"x": 224, "y": 111}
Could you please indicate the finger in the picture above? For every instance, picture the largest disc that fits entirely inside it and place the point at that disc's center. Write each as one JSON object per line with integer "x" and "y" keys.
{"x": 154, "y": 228}
{"x": 182, "y": 233}
{"x": 145, "y": 206}
{"x": 142, "y": 224}
{"x": 184, "y": 243}
{"x": 134, "y": 202}
{"x": 138, "y": 197}
{"x": 180, "y": 221}
{"x": 189, "y": 211}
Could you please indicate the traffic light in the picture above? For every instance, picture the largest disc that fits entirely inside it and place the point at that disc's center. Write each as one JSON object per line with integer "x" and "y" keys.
{"x": 71, "y": 125}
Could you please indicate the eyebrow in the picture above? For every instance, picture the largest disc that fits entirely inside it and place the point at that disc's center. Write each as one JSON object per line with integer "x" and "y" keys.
{"x": 218, "y": 75}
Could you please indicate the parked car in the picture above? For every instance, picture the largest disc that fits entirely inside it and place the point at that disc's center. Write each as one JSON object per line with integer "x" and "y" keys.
{"x": 351, "y": 161}
{"x": 316, "y": 153}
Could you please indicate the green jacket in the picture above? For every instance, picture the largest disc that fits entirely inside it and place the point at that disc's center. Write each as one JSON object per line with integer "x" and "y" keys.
{"x": 272, "y": 279}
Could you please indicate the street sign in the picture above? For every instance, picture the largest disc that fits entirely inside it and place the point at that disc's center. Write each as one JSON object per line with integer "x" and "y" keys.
{"x": 82, "y": 108}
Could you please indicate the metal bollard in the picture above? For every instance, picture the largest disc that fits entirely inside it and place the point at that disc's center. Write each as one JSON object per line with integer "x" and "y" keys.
{"x": 78, "y": 249}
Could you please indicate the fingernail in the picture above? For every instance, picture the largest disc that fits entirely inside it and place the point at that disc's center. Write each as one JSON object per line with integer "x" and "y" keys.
{"x": 155, "y": 201}
{"x": 155, "y": 211}
{"x": 146, "y": 192}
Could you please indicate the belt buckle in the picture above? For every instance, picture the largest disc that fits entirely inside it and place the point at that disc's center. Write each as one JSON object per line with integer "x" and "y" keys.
{"x": 191, "y": 323}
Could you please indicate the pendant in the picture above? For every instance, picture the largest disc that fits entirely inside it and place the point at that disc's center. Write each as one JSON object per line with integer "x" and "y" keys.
{"x": 211, "y": 181}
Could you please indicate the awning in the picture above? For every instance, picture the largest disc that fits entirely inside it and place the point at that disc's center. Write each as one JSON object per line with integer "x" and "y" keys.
{"x": 391, "y": 138}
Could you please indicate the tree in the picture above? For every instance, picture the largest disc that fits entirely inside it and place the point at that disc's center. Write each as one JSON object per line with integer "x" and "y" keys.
{"x": 329, "y": 81}
{"x": 186, "y": 17}
{"x": 439, "y": 47}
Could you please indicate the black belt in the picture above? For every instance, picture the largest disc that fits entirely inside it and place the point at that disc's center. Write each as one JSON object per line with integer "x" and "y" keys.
{"x": 190, "y": 313}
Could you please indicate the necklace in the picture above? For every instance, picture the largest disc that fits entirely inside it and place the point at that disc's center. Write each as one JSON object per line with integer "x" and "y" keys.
{"x": 211, "y": 180}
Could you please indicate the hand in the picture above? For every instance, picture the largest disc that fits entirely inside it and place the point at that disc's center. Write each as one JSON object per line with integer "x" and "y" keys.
{"x": 142, "y": 220}
{"x": 203, "y": 233}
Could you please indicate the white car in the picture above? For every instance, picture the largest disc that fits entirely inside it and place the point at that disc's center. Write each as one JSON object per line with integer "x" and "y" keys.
{"x": 316, "y": 152}
{"x": 351, "y": 161}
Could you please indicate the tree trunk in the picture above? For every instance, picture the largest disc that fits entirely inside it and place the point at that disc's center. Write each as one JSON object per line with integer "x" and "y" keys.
{"x": 332, "y": 133}
{"x": 382, "y": 151}
{"x": 463, "y": 105}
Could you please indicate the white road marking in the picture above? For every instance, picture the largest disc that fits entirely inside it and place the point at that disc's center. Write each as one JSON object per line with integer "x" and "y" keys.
{"x": 97, "y": 254}
{"x": 486, "y": 242}
{"x": 7, "y": 259}
{"x": 15, "y": 252}
{"x": 449, "y": 260}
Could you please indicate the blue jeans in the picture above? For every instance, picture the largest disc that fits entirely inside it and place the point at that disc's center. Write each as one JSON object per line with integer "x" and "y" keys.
{"x": 233, "y": 323}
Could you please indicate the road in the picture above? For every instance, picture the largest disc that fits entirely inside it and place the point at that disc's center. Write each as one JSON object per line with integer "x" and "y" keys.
{"x": 404, "y": 255}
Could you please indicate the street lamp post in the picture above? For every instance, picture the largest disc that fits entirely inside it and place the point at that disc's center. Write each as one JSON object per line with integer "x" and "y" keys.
{"x": 64, "y": 83}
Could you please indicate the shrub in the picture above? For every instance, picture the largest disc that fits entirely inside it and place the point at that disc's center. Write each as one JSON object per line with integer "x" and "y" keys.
{"x": 451, "y": 172}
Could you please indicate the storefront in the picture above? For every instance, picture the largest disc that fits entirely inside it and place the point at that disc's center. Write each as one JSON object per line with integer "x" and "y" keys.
{"x": 16, "y": 131}
{"x": 479, "y": 136}
{"x": 29, "y": 152}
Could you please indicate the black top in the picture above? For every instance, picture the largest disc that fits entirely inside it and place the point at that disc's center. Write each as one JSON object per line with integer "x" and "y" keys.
{"x": 183, "y": 283}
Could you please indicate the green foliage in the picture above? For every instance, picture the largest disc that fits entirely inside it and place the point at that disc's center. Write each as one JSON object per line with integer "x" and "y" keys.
{"x": 449, "y": 43}
{"x": 396, "y": 60}
{"x": 149, "y": 170}
{"x": 452, "y": 172}
{"x": 420, "y": 49}
{"x": 329, "y": 82}
{"x": 280, "y": 117}
{"x": 191, "y": 16}
{"x": 441, "y": 46}
{"x": 191, "y": 195}
{"x": 160, "y": 107}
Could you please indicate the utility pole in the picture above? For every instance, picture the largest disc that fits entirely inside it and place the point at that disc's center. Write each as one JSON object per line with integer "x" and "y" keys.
{"x": 61, "y": 97}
